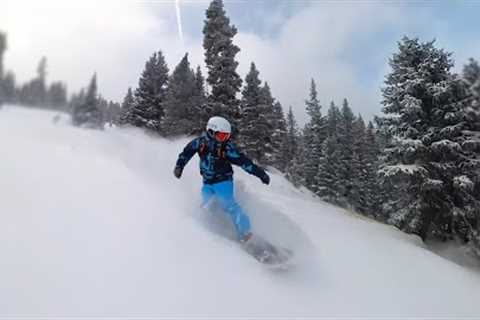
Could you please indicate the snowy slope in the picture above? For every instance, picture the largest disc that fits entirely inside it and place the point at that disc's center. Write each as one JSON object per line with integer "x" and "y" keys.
{"x": 94, "y": 224}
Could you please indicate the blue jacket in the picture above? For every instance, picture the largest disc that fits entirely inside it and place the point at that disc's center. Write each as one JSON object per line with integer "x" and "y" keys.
{"x": 216, "y": 159}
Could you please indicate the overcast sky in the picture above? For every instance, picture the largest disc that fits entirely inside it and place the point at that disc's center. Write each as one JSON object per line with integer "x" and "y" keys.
{"x": 343, "y": 45}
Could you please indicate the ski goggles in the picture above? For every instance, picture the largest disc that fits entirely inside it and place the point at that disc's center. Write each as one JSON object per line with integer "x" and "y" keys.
{"x": 221, "y": 136}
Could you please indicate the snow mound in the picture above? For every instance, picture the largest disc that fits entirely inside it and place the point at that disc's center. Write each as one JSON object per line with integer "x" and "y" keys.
{"x": 93, "y": 224}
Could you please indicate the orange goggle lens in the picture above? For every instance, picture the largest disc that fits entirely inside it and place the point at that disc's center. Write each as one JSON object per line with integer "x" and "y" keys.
{"x": 222, "y": 136}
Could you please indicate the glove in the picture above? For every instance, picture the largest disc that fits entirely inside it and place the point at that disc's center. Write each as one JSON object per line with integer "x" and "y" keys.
{"x": 177, "y": 172}
{"x": 265, "y": 178}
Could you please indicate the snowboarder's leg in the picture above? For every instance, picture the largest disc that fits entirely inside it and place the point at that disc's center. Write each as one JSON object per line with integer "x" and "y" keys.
{"x": 224, "y": 193}
{"x": 207, "y": 195}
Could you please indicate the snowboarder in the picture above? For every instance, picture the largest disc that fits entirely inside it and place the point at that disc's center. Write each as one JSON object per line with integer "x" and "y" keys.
{"x": 217, "y": 153}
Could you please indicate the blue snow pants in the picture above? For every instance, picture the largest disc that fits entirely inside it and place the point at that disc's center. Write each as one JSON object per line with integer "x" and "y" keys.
{"x": 223, "y": 193}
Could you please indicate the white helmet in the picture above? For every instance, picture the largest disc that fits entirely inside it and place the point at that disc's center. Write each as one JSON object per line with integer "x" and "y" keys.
{"x": 219, "y": 124}
{"x": 219, "y": 128}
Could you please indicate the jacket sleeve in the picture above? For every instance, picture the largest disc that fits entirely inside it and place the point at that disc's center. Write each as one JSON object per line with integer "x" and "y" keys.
{"x": 237, "y": 158}
{"x": 188, "y": 152}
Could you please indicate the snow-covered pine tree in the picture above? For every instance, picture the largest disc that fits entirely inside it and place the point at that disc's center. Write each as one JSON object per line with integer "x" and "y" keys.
{"x": 112, "y": 113}
{"x": 87, "y": 112}
{"x": 201, "y": 110}
{"x": 255, "y": 133}
{"x": 423, "y": 103}
{"x": 279, "y": 137}
{"x": 471, "y": 76}
{"x": 76, "y": 100}
{"x": 3, "y": 48}
{"x": 102, "y": 105}
{"x": 9, "y": 88}
{"x": 329, "y": 187}
{"x": 384, "y": 138}
{"x": 220, "y": 55}
{"x": 290, "y": 146}
{"x": 8, "y": 91}
{"x": 365, "y": 192}
{"x": 129, "y": 100}
{"x": 110, "y": 110}
{"x": 296, "y": 167}
{"x": 248, "y": 139}
{"x": 267, "y": 124}
{"x": 149, "y": 96}
{"x": 179, "y": 104}
{"x": 346, "y": 141}
{"x": 200, "y": 84}
{"x": 40, "y": 87}
{"x": 373, "y": 190}
{"x": 33, "y": 93}
{"x": 57, "y": 96}
{"x": 470, "y": 188}
{"x": 314, "y": 134}
{"x": 358, "y": 193}
{"x": 127, "y": 104}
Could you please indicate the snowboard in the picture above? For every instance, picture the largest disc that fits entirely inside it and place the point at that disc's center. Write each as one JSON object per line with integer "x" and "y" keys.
{"x": 267, "y": 253}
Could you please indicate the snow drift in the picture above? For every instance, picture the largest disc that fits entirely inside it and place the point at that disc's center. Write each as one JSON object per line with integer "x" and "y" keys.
{"x": 94, "y": 224}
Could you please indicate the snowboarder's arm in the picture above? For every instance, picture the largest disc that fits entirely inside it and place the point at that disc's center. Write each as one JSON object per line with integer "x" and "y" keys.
{"x": 188, "y": 152}
{"x": 239, "y": 159}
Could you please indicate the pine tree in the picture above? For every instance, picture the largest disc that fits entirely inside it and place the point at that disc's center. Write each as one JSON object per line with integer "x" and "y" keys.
{"x": 317, "y": 122}
{"x": 358, "y": 166}
{"x": 291, "y": 139}
{"x": 471, "y": 76}
{"x": 364, "y": 193}
{"x": 9, "y": 88}
{"x": 87, "y": 112}
{"x": 313, "y": 104}
{"x": 329, "y": 185}
{"x": 34, "y": 92}
{"x": 372, "y": 187}
{"x": 253, "y": 121}
{"x": 468, "y": 222}
{"x": 296, "y": 168}
{"x": 424, "y": 103}
{"x": 346, "y": 152}
{"x": 200, "y": 83}
{"x": 199, "y": 101}
{"x": 150, "y": 95}
{"x": 127, "y": 104}
{"x": 76, "y": 100}
{"x": 8, "y": 91}
{"x": 248, "y": 138}
{"x": 56, "y": 97}
{"x": 102, "y": 105}
{"x": 179, "y": 104}
{"x": 314, "y": 135}
{"x": 279, "y": 138}
{"x": 267, "y": 125}
{"x": 114, "y": 110}
{"x": 3, "y": 47}
{"x": 109, "y": 110}
{"x": 220, "y": 55}
{"x": 129, "y": 100}
{"x": 40, "y": 90}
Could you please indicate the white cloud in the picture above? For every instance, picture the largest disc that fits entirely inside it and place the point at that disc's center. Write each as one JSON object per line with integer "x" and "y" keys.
{"x": 115, "y": 38}
{"x": 314, "y": 44}
{"x": 112, "y": 38}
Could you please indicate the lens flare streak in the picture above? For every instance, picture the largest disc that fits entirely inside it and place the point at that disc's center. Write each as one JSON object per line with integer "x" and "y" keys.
{"x": 179, "y": 20}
